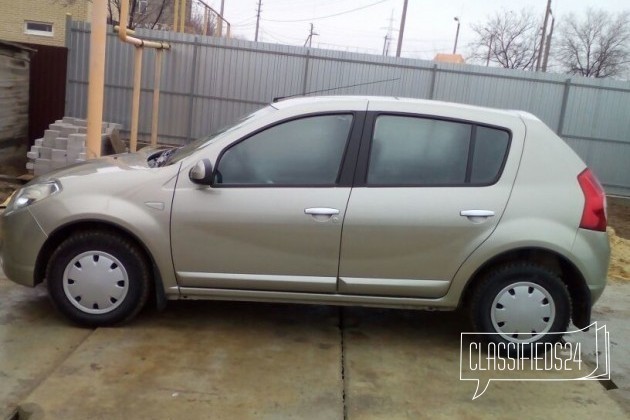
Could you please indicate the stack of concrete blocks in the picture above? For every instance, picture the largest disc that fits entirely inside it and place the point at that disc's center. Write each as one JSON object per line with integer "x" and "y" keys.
{"x": 63, "y": 144}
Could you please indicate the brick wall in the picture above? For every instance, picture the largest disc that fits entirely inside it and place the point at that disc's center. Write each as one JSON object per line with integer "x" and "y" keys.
{"x": 13, "y": 13}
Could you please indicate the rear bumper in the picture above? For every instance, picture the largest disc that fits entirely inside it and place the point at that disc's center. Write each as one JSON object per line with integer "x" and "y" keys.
{"x": 22, "y": 240}
{"x": 592, "y": 252}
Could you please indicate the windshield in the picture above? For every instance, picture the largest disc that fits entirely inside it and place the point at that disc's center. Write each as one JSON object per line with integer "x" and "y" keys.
{"x": 180, "y": 153}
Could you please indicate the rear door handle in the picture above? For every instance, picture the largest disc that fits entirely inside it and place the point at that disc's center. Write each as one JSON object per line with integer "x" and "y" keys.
{"x": 321, "y": 211}
{"x": 476, "y": 213}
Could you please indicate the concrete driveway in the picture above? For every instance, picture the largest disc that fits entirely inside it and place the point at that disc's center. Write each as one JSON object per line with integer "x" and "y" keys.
{"x": 225, "y": 360}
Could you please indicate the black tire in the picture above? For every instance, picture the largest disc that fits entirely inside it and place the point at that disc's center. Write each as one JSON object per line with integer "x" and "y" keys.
{"x": 515, "y": 278}
{"x": 102, "y": 245}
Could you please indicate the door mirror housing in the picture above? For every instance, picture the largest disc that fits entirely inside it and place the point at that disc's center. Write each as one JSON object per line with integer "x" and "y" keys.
{"x": 201, "y": 173}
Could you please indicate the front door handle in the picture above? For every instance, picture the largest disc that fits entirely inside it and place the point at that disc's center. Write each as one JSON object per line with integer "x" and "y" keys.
{"x": 321, "y": 211}
{"x": 476, "y": 213}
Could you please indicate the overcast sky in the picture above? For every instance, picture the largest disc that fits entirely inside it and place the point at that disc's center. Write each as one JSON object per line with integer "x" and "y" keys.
{"x": 429, "y": 29}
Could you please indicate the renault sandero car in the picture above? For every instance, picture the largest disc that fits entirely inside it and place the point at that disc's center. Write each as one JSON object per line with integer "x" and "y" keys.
{"x": 367, "y": 201}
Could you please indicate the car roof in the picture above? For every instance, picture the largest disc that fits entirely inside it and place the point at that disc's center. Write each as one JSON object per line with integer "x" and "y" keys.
{"x": 387, "y": 102}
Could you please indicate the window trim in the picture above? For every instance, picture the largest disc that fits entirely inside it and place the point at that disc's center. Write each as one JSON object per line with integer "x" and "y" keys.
{"x": 37, "y": 32}
{"x": 348, "y": 159}
{"x": 366, "y": 149}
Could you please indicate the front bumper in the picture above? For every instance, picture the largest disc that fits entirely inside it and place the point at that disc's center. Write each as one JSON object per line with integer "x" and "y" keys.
{"x": 22, "y": 239}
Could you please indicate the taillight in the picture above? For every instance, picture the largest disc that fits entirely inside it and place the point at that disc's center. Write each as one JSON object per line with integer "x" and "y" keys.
{"x": 594, "y": 214}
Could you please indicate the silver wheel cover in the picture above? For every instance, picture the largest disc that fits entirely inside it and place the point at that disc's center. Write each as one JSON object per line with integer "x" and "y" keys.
{"x": 95, "y": 282}
{"x": 522, "y": 312}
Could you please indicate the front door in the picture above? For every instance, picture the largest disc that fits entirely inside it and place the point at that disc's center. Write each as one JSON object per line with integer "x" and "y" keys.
{"x": 272, "y": 219}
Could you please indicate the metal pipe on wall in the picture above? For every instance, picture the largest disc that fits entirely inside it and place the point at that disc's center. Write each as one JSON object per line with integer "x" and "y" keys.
{"x": 137, "y": 77}
{"x": 135, "y": 102}
{"x": 122, "y": 31}
{"x": 96, "y": 79}
{"x": 156, "y": 96}
{"x": 175, "y": 15}
{"x": 182, "y": 16}
{"x": 220, "y": 19}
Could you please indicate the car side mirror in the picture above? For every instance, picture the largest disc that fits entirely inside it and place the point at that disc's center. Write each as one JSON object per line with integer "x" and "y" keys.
{"x": 201, "y": 173}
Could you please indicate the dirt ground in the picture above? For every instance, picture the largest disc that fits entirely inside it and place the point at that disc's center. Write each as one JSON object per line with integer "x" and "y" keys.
{"x": 6, "y": 189}
{"x": 619, "y": 233}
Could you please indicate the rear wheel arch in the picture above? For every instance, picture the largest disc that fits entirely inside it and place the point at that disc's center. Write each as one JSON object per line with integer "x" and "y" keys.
{"x": 558, "y": 264}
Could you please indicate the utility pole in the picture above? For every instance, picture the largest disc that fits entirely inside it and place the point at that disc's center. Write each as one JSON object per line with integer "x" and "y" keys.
{"x": 542, "y": 39}
{"x": 219, "y": 28}
{"x": 489, "y": 50}
{"x": 309, "y": 39}
{"x": 221, "y": 18}
{"x": 548, "y": 47}
{"x": 257, "y": 19}
{"x": 456, "y": 19}
{"x": 402, "y": 28}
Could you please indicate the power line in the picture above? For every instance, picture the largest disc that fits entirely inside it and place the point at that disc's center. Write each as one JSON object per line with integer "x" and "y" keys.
{"x": 238, "y": 22}
{"x": 388, "y": 35}
{"x": 352, "y": 48}
{"x": 292, "y": 4}
{"x": 286, "y": 40}
{"x": 328, "y": 16}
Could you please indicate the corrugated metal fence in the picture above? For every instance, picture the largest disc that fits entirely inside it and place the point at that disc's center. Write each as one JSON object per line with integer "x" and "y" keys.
{"x": 208, "y": 82}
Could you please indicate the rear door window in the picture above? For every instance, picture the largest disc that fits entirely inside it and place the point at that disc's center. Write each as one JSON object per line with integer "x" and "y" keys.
{"x": 416, "y": 151}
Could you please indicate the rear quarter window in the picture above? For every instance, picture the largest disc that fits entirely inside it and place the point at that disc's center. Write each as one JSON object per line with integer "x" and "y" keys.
{"x": 491, "y": 146}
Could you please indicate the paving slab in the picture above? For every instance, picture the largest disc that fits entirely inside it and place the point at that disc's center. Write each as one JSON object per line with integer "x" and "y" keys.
{"x": 249, "y": 360}
{"x": 405, "y": 364}
{"x": 33, "y": 341}
{"x": 612, "y": 310}
{"x": 217, "y": 360}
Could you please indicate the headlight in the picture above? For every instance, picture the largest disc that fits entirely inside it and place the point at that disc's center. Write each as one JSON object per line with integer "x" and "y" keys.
{"x": 32, "y": 193}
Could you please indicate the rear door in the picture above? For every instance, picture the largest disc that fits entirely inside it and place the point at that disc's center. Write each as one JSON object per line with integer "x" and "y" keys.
{"x": 429, "y": 190}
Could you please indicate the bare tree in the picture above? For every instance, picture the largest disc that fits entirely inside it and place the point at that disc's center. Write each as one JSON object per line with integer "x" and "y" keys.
{"x": 195, "y": 23}
{"x": 596, "y": 46}
{"x": 508, "y": 39}
{"x": 158, "y": 14}
{"x": 143, "y": 14}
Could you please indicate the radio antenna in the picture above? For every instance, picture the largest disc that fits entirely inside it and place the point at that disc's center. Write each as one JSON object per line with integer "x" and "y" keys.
{"x": 279, "y": 98}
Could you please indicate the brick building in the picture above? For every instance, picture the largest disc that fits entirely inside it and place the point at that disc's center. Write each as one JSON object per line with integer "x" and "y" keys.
{"x": 40, "y": 21}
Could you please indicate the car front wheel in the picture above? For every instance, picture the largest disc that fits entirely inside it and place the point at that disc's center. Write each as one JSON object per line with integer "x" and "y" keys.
{"x": 98, "y": 278}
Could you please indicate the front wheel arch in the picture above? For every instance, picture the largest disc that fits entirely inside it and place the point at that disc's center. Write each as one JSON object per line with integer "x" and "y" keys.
{"x": 63, "y": 232}
{"x": 98, "y": 278}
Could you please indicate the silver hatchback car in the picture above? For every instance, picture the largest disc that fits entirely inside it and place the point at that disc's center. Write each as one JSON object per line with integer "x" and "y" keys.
{"x": 364, "y": 201}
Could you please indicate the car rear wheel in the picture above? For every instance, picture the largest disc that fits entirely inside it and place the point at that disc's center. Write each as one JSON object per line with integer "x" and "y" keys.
{"x": 521, "y": 303}
{"x": 98, "y": 278}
